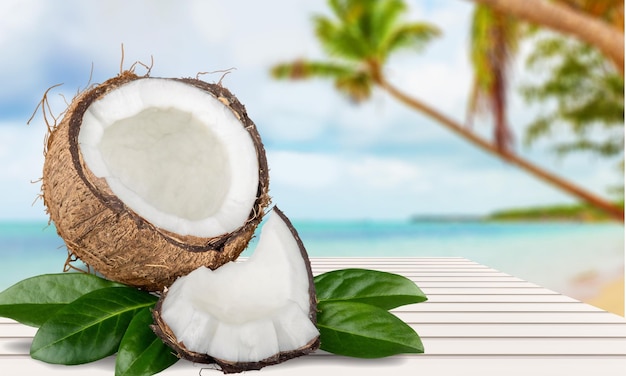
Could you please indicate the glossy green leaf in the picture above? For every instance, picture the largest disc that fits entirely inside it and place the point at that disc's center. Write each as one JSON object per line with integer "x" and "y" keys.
{"x": 33, "y": 300}
{"x": 141, "y": 352}
{"x": 364, "y": 331}
{"x": 381, "y": 289}
{"x": 89, "y": 328}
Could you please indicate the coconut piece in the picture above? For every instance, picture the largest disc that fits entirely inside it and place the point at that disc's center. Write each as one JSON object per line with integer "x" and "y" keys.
{"x": 146, "y": 179}
{"x": 245, "y": 315}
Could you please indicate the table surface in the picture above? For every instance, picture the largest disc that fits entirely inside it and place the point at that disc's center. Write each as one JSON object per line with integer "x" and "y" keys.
{"x": 477, "y": 321}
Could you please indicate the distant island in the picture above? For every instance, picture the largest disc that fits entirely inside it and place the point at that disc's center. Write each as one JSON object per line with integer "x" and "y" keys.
{"x": 576, "y": 212}
{"x": 572, "y": 213}
{"x": 447, "y": 218}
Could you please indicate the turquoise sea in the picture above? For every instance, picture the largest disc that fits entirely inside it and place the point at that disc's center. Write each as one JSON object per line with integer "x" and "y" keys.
{"x": 555, "y": 255}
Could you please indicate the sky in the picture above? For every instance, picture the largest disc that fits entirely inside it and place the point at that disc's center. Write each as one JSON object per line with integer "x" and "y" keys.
{"x": 328, "y": 158}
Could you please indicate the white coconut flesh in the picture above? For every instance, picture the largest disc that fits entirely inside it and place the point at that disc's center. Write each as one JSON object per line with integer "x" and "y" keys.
{"x": 174, "y": 154}
{"x": 246, "y": 311}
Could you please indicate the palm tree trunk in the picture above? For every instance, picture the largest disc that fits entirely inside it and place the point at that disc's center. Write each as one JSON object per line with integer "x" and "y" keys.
{"x": 615, "y": 211}
{"x": 569, "y": 21}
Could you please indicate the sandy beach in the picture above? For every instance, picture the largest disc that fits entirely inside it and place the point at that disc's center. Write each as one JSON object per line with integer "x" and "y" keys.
{"x": 610, "y": 297}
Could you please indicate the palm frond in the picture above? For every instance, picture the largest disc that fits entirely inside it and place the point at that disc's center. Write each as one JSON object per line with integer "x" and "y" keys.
{"x": 585, "y": 94}
{"x": 414, "y": 35}
{"x": 303, "y": 69}
{"x": 350, "y": 80}
{"x": 359, "y": 36}
{"x": 340, "y": 40}
{"x": 357, "y": 86}
{"x": 369, "y": 30}
{"x": 343, "y": 9}
{"x": 375, "y": 19}
{"x": 385, "y": 19}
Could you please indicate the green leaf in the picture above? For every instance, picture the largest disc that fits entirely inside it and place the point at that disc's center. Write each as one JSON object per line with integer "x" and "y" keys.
{"x": 141, "y": 352}
{"x": 381, "y": 289}
{"x": 89, "y": 328}
{"x": 364, "y": 331}
{"x": 33, "y": 300}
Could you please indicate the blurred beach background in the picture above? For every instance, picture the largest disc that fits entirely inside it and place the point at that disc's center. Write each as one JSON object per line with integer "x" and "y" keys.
{"x": 580, "y": 260}
{"x": 359, "y": 176}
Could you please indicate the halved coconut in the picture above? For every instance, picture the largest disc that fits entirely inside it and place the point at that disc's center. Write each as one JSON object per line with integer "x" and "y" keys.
{"x": 245, "y": 315}
{"x": 146, "y": 179}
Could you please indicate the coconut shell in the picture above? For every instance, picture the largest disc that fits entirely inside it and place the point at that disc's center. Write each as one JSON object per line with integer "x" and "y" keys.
{"x": 163, "y": 331}
{"x": 107, "y": 235}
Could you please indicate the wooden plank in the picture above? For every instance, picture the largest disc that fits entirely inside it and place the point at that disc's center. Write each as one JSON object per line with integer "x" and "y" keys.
{"x": 478, "y": 321}
{"x": 391, "y": 263}
{"x": 461, "y": 290}
{"x": 479, "y": 284}
{"x": 16, "y": 330}
{"x": 525, "y": 345}
{"x": 459, "y": 346}
{"x": 14, "y": 346}
{"x": 484, "y": 346}
{"x": 452, "y": 330}
{"x": 399, "y": 365}
{"x": 460, "y": 279}
{"x": 452, "y": 274}
{"x": 498, "y": 307}
{"x": 406, "y": 267}
{"x": 391, "y": 260}
{"x": 517, "y": 298}
{"x": 511, "y": 317}
{"x": 520, "y": 330}
{"x": 387, "y": 260}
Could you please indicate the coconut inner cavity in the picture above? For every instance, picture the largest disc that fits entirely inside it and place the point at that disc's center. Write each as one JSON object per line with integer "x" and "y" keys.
{"x": 170, "y": 159}
{"x": 174, "y": 154}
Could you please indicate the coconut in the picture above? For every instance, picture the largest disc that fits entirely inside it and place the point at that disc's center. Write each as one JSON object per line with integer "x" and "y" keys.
{"x": 147, "y": 179}
{"x": 245, "y": 315}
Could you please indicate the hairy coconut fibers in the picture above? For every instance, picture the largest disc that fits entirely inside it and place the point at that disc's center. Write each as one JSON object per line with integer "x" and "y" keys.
{"x": 549, "y": 254}
{"x": 148, "y": 178}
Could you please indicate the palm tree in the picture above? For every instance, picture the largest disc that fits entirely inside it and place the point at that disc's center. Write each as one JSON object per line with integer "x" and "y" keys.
{"x": 496, "y": 32}
{"x": 497, "y": 28}
{"x": 361, "y": 37}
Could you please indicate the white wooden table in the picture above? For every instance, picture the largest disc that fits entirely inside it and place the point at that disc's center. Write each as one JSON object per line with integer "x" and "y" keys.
{"x": 478, "y": 321}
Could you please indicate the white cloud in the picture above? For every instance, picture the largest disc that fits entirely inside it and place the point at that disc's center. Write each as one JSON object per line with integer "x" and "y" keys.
{"x": 350, "y": 158}
{"x": 20, "y": 25}
{"x": 211, "y": 20}
{"x": 322, "y": 185}
{"x": 440, "y": 75}
{"x": 286, "y": 112}
{"x": 21, "y": 161}
{"x": 280, "y": 30}
{"x": 22, "y": 16}
{"x": 306, "y": 171}
{"x": 313, "y": 171}
{"x": 444, "y": 85}
{"x": 318, "y": 185}
{"x": 345, "y": 193}
{"x": 293, "y": 127}
{"x": 385, "y": 174}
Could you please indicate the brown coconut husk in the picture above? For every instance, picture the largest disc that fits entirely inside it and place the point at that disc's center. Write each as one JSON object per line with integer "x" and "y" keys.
{"x": 108, "y": 236}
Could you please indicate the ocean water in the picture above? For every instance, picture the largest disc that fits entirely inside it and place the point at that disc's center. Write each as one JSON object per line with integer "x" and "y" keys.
{"x": 559, "y": 256}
